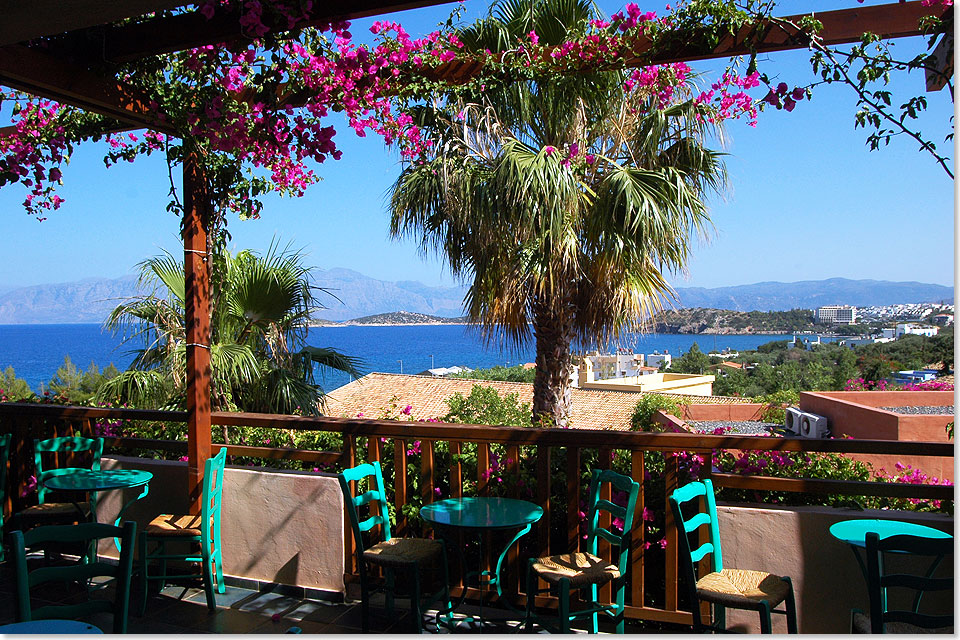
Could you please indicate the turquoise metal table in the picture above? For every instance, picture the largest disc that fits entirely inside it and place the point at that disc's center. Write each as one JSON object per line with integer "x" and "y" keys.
{"x": 87, "y": 480}
{"x": 480, "y": 515}
{"x": 48, "y": 627}
{"x": 854, "y": 533}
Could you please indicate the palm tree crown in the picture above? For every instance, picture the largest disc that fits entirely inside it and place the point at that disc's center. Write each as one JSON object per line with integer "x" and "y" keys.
{"x": 561, "y": 201}
{"x": 260, "y": 310}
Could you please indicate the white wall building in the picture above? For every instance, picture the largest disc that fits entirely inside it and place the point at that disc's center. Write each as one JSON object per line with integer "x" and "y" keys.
{"x": 835, "y": 314}
{"x": 656, "y": 358}
{"x": 904, "y": 328}
{"x": 607, "y": 366}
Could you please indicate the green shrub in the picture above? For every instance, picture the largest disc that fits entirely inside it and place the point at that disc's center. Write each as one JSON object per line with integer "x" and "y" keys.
{"x": 647, "y": 407}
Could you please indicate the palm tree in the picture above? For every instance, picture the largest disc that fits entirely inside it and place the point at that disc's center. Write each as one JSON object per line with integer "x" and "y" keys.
{"x": 561, "y": 201}
{"x": 260, "y": 309}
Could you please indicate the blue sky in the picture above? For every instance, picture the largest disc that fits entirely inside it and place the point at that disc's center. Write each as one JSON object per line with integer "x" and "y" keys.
{"x": 807, "y": 200}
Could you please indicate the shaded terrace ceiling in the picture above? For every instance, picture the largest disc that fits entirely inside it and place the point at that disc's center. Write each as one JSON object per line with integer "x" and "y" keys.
{"x": 84, "y": 38}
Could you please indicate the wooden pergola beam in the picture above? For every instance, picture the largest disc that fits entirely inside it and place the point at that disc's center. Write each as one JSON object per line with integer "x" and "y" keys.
{"x": 168, "y": 34}
{"x": 33, "y": 71}
{"x": 28, "y": 19}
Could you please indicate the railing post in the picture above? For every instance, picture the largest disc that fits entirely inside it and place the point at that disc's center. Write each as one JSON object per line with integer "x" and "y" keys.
{"x": 196, "y": 222}
{"x": 671, "y": 558}
{"x": 638, "y": 534}
{"x": 573, "y": 499}
{"x": 400, "y": 483}
{"x": 456, "y": 470}
{"x": 426, "y": 470}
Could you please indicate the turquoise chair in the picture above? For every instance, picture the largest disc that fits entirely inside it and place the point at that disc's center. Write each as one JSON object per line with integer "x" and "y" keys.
{"x": 4, "y": 456}
{"x": 577, "y": 571}
{"x": 88, "y": 534}
{"x": 722, "y": 587}
{"x": 408, "y": 555}
{"x": 202, "y": 529}
{"x": 46, "y": 512}
{"x": 885, "y": 618}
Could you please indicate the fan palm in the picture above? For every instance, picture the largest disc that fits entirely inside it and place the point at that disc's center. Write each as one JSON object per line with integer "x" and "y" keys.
{"x": 561, "y": 201}
{"x": 260, "y": 309}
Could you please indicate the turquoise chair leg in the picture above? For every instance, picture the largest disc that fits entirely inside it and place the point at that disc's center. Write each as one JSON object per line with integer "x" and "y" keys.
{"x": 720, "y": 617}
{"x": 144, "y": 563}
{"x": 619, "y": 618}
{"x": 364, "y": 601}
{"x": 389, "y": 590}
{"x": 791, "y": 610}
{"x": 415, "y": 599}
{"x": 531, "y": 596}
{"x": 594, "y": 623}
{"x": 765, "y": 624}
{"x": 564, "y": 608}
{"x": 208, "y": 585}
{"x": 163, "y": 565}
{"x": 221, "y": 587}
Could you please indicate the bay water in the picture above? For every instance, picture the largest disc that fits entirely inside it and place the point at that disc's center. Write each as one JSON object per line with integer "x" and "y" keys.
{"x": 35, "y": 351}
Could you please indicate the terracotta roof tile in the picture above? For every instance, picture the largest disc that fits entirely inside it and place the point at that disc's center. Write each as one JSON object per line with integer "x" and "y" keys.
{"x": 426, "y": 396}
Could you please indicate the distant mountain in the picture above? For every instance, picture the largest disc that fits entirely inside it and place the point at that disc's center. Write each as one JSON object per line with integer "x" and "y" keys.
{"x": 810, "y": 294}
{"x": 353, "y": 295}
{"x": 89, "y": 300}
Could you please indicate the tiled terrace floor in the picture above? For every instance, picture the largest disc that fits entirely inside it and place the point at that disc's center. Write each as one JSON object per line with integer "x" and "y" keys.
{"x": 182, "y": 610}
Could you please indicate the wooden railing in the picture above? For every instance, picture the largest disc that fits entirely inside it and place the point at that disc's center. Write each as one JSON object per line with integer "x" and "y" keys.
{"x": 362, "y": 440}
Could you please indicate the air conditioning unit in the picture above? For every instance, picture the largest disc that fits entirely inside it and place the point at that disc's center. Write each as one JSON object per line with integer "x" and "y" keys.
{"x": 812, "y": 426}
{"x": 793, "y": 419}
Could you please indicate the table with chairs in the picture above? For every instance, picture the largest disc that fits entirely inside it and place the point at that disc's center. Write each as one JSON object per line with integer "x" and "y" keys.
{"x": 919, "y": 551}
{"x": 65, "y": 529}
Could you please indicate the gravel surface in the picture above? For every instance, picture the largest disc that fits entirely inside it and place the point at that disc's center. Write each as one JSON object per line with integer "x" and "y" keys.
{"x": 933, "y": 411}
{"x": 743, "y": 428}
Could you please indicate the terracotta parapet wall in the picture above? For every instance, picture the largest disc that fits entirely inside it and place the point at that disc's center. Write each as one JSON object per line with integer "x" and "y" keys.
{"x": 733, "y": 412}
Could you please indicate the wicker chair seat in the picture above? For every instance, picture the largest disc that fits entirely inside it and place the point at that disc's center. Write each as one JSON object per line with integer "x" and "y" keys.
{"x": 174, "y": 525}
{"x": 579, "y": 568}
{"x": 55, "y": 510}
{"x": 403, "y": 552}
{"x": 742, "y": 588}
{"x": 861, "y": 624}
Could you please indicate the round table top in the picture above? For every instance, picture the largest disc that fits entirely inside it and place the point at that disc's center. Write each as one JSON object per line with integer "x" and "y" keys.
{"x": 89, "y": 480}
{"x": 482, "y": 513}
{"x": 855, "y": 531}
{"x": 49, "y": 627}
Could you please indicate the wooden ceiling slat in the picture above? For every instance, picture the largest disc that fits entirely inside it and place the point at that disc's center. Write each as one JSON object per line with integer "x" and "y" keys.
{"x": 190, "y": 30}
{"x": 28, "y": 19}
{"x": 41, "y": 74}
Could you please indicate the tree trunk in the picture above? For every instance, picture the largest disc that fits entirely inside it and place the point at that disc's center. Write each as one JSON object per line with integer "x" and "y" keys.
{"x": 553, "y": 329}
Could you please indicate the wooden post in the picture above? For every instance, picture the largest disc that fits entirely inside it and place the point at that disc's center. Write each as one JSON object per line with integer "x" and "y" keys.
{"x": 196, "y": 222}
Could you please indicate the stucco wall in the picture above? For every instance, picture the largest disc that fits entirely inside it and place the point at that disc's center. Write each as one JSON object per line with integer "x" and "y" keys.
{"x": 856, "y": 414}
{"x": 689, "y": 384}
{"x": 796, "y": 542}
{"x": 735, "y": 411}
{"x": 278, "y": 526}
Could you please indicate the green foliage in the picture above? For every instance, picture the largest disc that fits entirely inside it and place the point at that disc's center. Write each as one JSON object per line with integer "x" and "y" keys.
{"x": 485, "y": 406}
{"x": 647, "y": 407}
{"x": 775, "y": 411}
{"x": 80, "y": 386}
{"x": 13, "y": 389}
{"x": 693, "y": 361}
{"x": 516, "y": 373}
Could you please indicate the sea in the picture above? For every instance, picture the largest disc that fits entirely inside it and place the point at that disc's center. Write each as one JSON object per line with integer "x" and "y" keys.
{"x": 36, "y": 351}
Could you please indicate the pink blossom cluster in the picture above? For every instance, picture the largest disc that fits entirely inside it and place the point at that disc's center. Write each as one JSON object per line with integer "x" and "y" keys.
{"x": 859, "y": 384}
{"x": 929, "y": 385}
{"x": 906, "y": 474}
{"x": 782, "y": 97}
{"x": 659, "y": 81}
{"x": 730, "y": 97}
{"x": 34, "y": 154}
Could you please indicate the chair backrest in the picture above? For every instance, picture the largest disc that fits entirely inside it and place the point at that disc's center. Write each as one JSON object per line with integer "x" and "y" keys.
{"x": 89, "y": 532}
{"x": 212, "y": 499}
{"x": 73, "y": 444}
{"x": 625, "y": 514}
{"x": 915, "y": 584}
{"x": 375, "y": 496}
{"x": 709, "y": 545}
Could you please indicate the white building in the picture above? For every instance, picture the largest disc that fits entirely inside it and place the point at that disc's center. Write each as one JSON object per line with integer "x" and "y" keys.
{"x": 904, "y": 328}
{"x": 835, "y": 314}
{"x": 607, "y": 366}
{"x": 656, "y": 359}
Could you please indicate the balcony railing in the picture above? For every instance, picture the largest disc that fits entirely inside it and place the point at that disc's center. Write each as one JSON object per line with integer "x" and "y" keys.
{"x": 370, "y": 440}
